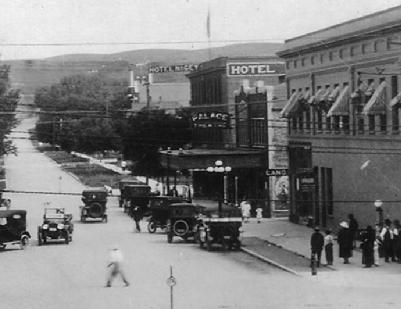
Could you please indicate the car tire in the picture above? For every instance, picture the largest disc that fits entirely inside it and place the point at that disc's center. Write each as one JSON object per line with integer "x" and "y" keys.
{"x": 185, "y": 228}
{"x": 105, "y": 219}
{"x": 44, "y": 237}
{"x": 152, "y": 226}
{"x": 24, "y": 242}
{"x": 208, "y": 243}
{"x": 66, "y": 238}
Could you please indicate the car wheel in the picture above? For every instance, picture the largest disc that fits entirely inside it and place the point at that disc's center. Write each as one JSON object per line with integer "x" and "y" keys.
{"x": 67, "y": 237}
{"x": 105, "y": 219}
{"x": 24, "y": 241}
{"x": 82, "y": 218}
{"x": 152, "y": 226}
{"x": 44, "y": 237}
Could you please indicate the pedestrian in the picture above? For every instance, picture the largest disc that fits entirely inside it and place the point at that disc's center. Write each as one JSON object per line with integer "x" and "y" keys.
{"x": 246, "y": 210}
{"x": 368, "y": 243}
{"x": 377, "y": 244}
{"x": 344, "y": 239}
{"x": 259, "y": 212}
{"x": 317, "y": 242}
{"x": 387, "y": 236}
{"x": 116, "y": 267}
{"x": 353, "y": 228}
{"x": 137, "y": 216}
{"x": 328, "y": 247}
{"x": 397, "y": 240}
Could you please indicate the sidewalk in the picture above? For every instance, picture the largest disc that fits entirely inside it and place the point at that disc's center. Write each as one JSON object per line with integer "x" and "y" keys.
{"x": 295, "y": 238}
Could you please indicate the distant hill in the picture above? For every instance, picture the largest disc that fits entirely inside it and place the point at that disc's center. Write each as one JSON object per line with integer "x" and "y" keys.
{"x": 28, "y": 75}
{"x": 176, "y": 55}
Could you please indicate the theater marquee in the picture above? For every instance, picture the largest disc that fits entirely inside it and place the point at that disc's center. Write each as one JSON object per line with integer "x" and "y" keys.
{"x": 255, "y": 69}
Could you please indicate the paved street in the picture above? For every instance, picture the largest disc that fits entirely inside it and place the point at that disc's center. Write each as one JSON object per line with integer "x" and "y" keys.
{"x": 73, "y": 276}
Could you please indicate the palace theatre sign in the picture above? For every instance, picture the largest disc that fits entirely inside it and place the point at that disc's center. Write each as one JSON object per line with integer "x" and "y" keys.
{"x": 255, "y": 69}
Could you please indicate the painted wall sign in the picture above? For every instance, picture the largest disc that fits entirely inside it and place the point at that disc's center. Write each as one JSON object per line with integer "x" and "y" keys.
{"x": 174, "y": 68}
{"x": 255, "y": 69}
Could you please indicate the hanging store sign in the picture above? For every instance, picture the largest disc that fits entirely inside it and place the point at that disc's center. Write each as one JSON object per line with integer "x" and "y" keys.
{"x": 255, "y": 69}
{"x": 174, "y": 68}
{"x": 211, "y": 119}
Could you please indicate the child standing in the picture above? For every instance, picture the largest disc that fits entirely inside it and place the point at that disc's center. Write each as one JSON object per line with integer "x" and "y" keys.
{"x": 259, "y": 214}
{"x": 328, "y": 247}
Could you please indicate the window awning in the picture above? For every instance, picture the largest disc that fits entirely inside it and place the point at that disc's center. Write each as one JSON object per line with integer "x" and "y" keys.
{"x": 365, "y": 88}
{"x": 292, "y": 106}
{"x": 396, "y": 100}
{"x": 377, "y": 103}
{"x": 325, "y": 95}
{"x": 306, "y": 96}
{"x": 314, "y": 98}
{"x": 341, "y": 105}
{"x": 334, "y": 94}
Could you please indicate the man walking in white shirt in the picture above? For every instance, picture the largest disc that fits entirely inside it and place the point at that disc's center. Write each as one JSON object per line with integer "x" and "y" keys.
{"x": 115, "y": 265}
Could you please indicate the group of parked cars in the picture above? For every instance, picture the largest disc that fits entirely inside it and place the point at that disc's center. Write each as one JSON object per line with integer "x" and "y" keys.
{"x": 178, "y": 217}
{"x": 174, "y": 215}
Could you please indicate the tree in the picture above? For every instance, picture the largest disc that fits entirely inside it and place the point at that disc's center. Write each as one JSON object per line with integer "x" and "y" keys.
{"x": 8, "y": 103}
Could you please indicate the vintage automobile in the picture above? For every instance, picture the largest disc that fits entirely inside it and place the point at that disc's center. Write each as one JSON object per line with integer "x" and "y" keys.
{"x": 182, "y": 220}
{"x": 220, "y": 226}
{"x": 159, "y": 210}
{"x": 121, "y": 185}
{"x": 13, "y": 228}
{"x": 135, "y": 196}
{"x": 95, "y": 200}
{"x": 56, "y": 225}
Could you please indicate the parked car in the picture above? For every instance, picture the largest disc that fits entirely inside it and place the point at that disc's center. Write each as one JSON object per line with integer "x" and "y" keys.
{"x": 13, "y": 228}
{"x": 121, "y": 185}
{"x": 136, "y": 196}
{"x": 220, "y": 226}
{"x": 95, "y": 200}
{"x": 182, "y": 220}
{"x": 159, "y": 211}
{"x": 56, "y": 225}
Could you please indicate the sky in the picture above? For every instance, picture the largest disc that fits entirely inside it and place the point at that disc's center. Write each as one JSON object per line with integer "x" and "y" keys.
{"x": 31, "y": 29}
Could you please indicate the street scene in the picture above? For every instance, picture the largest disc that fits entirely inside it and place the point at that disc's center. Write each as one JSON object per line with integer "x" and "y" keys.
{"x": 200, "y": 162}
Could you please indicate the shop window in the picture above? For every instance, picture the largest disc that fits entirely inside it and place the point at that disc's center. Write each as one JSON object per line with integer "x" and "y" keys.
{"x": 328, "y": 124}
{"x": 344, "y": 125}
{"x": 321, "y": 58}
{"x": 319, "y": 120}
{"x": 301, "y": 122}
{"x": 361, "y": 125}
{"x": 336, "y": 124}
{"x": 330, "y": 56}
{"x": 396, "y": 119}
{"x": 312, "y": 60}
{"x": 383, "y": 123}
{"x": 295, "y": 64}
{"x": 302, "y": 62}
{"x": 341, "y": 53}
{"x": 371, "y": 124}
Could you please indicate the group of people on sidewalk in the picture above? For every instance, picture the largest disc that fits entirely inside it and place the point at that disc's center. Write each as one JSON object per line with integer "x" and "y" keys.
{"x": 375, "y": 243}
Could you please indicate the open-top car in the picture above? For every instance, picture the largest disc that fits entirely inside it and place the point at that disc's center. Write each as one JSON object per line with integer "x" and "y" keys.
{"x": 182, "y": 220}
{"x": 56, "y": 225}
{"x": 220, "y": 226}
{"x": 95, "y": 200}
{"x": 159, "y": 211}
{"x": 13, "y": 228}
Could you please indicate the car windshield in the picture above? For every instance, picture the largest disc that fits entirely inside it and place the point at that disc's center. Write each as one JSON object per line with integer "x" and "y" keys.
{"x": 54, "y": 213}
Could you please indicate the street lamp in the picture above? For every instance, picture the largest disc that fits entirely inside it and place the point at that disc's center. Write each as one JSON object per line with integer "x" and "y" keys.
{"x": 379, "y": 209}
{"x": 220, "y": 168}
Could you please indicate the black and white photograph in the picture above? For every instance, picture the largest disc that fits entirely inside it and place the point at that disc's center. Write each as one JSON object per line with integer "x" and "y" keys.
{"x": 203, "y": 154}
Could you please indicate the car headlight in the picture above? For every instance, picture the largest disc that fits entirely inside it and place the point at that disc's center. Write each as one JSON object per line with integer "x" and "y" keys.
{"x": 60, "y": 226}
{"x": 45, "y": 226}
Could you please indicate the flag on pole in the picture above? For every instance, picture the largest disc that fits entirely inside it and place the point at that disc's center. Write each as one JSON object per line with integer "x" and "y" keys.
{"x": 208, "y": 23}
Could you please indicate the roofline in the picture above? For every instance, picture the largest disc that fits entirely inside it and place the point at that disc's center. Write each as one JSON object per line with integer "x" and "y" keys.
{"x": 343, "y": 23}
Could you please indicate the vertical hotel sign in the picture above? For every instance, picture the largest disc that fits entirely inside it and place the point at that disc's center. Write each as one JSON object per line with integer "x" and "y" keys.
{"x": 255, "y": 69}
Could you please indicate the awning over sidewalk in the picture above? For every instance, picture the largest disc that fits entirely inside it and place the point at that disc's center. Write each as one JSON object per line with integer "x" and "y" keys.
{"x": 396, "y": 100}
{"x": 201, "y": 159}
{"x": 341, "y": 105}
{"x": 292, "y": 105}
{"x": 377, "y": 103}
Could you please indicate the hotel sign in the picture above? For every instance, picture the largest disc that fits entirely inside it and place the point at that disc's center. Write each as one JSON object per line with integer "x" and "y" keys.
{"x": 255, "y": 69}
{"x": 174, "y": 68}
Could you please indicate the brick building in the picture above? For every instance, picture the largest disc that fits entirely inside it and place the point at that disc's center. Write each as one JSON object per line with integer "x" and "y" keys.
{"x": 343, "y": 114}
{"x": 230, "y": 124}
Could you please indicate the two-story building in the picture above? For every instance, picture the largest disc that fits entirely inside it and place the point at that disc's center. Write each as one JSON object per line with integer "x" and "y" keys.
{"x": 343, "y": 115}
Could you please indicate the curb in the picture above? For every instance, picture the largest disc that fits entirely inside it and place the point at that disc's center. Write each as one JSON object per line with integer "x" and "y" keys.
{"x": 269, "y": 261}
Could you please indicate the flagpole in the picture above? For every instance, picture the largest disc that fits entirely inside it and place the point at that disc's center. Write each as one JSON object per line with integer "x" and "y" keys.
{"x": 208, "y": 31}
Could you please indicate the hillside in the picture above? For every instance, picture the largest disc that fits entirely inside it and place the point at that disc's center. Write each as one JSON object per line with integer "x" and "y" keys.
{"x": 28, "y": 75}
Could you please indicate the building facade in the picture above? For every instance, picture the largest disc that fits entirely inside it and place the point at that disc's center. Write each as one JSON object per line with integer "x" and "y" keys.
{"x": 230, "y": 125}
{"x": 343, "y": 114}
